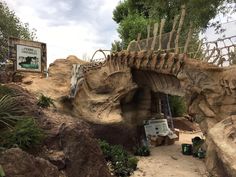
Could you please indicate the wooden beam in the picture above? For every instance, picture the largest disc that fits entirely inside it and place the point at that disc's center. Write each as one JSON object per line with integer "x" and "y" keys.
{"x": 172, "y": 31}
{"x": 148, "y": 36}
{"x": 190, "y": 32}
{"x": 155, "y": 30}
{"x": 199, "y": 47}
{"x": 160, "y": 33}
{"x": 138, "y": 40}
{"x": 181, "y": 22}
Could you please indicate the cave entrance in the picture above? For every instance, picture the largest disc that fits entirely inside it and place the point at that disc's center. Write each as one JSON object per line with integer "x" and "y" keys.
{"x": 143, "y": 104}
{"x": 151, "y": 97}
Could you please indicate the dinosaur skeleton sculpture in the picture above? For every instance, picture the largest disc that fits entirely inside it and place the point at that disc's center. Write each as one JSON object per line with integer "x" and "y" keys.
{"x": 76, "y": 79}
{"x": 123, "y": 86}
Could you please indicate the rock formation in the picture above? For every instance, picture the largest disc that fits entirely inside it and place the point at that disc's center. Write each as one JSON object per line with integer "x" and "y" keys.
{"x": 123, "y": 88}
{"x": 69, "y": 148}
{"x": 57, "y": 83}
{"x": 16, "y": 163}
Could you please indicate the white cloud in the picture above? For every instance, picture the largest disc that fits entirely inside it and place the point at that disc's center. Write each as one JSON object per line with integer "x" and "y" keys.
{"x": 69, "y": 27}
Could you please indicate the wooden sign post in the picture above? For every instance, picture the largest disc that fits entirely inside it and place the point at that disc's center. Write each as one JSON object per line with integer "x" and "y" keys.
{"x": 28, "y": 56}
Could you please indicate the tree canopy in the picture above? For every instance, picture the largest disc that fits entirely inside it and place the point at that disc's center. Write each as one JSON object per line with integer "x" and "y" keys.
{"x": 132, "y": 15}
{"x": 10, "y": 25}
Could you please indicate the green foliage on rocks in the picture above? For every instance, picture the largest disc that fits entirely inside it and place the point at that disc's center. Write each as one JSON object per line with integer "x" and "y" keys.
{"x": 45, "y": 101}
{"x": 142, "y": 151}
{"x": 25, "y": 134}
{"x": 10, "y": 110}
{"x": 17, "y": 128}
{"x": 123, "y": 164}
{"x": 4, "y": 90}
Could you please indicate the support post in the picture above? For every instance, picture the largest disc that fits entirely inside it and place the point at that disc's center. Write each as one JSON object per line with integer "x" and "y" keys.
{"x": 181, "y": 22}
{"x": 190, "y": 32}
{"x": 155, "y": 30}
{"x": 172, "y": 31}
{"x": 138, "y": 40}
{"x": 148, "y": 36}
{"x": 160, "y": 33}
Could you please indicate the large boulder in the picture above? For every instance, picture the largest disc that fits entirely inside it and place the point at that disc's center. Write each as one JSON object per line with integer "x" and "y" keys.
{"x": 17, "y": 163}
{"x": 71, "y": 147}
{"x": 221, "y": 157}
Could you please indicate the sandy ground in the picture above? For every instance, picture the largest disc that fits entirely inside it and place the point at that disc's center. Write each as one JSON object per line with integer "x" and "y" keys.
{"x": 167, "y": 161}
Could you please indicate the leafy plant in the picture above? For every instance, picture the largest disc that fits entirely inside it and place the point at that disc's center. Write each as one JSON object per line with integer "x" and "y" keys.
{"x": 10, "y": 110}
{"x": 142, "y": 151}
{"x": 26, "y": 134}
{"x": 177, "y": 106}
{"x": 130, "y": 27}
{"x": 118, "y": 154}
{"x": 123, "y": 163}
{"x": 4, "y": 90}
{"x": 45, "y": 101}
{"x": 132, "y": 162}
{"x": 106, "y": 149}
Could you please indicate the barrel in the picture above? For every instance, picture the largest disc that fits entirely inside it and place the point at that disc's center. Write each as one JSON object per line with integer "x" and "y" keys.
{"x": 187, "y": 149}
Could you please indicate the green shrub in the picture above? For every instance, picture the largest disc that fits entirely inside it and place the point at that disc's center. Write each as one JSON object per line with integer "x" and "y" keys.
{"x": 45, "y": 101}
{"x": 106, "y": 149}
{"x": 121, "y": 169}
{"x": 177, "y": 106}
{"x": 132, "y": 162}
{"x": 26, "y": 134}
{"x": 10, "y": 110}
{"x": 4, "y": 90}
{"x": 123, "y": 163}
{"x": 142, "y": 151}
{"x": 118, "y": 154}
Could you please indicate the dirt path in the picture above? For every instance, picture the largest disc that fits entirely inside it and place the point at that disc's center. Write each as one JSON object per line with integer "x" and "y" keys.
{"x": 167, "y": 161}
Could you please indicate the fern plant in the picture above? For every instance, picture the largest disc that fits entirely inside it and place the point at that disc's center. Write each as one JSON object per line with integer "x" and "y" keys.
{"x": 4, "y": 90}
{"x": 122, "y": 163}
{"x": 10, "y": 110}
{"x": 45, "y": 101}
{"x": 25, "y": 134}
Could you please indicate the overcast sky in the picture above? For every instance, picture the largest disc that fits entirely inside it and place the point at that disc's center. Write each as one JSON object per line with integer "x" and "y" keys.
{"x": 69, "y": 27}
{"x": 77, "y": 27}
